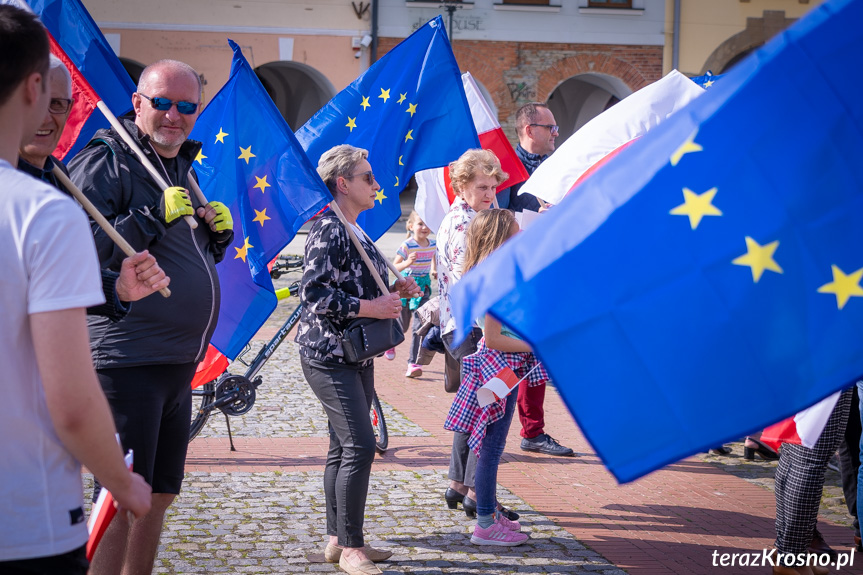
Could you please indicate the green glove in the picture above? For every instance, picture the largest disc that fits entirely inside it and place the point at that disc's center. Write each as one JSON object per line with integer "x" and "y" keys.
{"x": 176, "y": 204}
{"x": 223, "y": 220}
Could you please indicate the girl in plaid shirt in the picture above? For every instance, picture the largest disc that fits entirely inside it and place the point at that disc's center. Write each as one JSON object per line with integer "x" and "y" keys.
{"x": 488, "y": 427}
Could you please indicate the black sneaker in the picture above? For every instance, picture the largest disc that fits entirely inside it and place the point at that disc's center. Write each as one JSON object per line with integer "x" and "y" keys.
{"x": 544, "y": 443}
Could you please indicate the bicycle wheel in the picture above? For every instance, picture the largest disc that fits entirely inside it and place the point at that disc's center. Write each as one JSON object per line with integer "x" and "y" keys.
{"x": 201, "y": 399}
{"x": 379, "y": 424}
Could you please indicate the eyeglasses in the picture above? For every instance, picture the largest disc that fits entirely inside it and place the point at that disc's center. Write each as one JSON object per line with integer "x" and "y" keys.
{"x": 554, "y": 129}
{"x": 164, "y": 104}
{"x": 368, "y": 176}
{"x": 60, "y": 106}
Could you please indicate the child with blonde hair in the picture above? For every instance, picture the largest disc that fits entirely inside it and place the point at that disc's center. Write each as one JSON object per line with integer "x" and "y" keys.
{"x": 488, "y": 426}
{"x": 415, "y": 258}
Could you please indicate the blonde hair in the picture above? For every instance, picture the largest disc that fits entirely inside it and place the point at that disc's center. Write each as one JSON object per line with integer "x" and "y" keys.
{"x": 339, "y": 162}
{"x": 473, "y": 163}
{"x": 488, "y": 230}
{"x": 412, "y": 219}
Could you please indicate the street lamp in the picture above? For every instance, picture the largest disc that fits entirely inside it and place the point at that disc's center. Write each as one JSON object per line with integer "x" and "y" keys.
{"x": 450, "y": 6}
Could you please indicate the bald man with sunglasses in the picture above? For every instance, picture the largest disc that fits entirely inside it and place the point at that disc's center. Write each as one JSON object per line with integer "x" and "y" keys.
{"x": 146, "y": 361}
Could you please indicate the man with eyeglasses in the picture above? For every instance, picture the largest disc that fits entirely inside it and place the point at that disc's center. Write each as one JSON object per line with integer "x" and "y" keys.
{"x": 537, "y": 132}
{"x": 140, "y": 275}
{"x": 146, "y": 361}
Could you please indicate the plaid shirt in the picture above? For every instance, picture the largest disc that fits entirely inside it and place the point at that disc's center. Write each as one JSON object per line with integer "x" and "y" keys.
{"x": 465, "y": 415}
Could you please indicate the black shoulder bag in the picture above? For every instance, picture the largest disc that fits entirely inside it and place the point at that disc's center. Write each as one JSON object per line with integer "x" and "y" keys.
{"x": 367, "y": 337}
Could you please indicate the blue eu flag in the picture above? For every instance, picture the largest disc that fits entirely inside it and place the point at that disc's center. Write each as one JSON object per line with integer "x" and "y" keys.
{"x": 252, "y": 163}
{"x": 706, "y": 282}
{"x": 408, "y": 110}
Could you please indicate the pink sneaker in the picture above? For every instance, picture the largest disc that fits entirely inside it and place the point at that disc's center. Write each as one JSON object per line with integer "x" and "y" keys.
{"x": 390, "y": 354}
{"x": 497, "y": 535}
{"x": 508, "y": 523}
{"x": 414, "y": 370}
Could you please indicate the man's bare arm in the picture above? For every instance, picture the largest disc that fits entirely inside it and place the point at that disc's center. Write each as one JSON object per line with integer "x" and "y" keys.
{"x": 78, "y": 407}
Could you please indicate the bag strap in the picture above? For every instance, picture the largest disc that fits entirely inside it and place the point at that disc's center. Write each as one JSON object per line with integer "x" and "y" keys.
{"x": 363, "y": 254}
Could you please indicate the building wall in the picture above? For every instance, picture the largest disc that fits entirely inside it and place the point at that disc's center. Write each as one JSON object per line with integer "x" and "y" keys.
{"x": 707, "y": 25}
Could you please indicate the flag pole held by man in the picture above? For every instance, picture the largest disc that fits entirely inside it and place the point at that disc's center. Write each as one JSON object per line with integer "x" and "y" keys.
{"x": 719, "y": 254}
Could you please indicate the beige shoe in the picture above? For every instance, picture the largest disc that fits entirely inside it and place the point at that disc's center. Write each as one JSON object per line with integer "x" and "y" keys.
{"x": 333, "y": 553}
{"x": 362, "y": 568}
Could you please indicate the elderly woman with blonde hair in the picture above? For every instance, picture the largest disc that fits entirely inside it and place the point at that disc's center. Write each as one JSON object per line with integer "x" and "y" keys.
{"x": 337, "y": 287}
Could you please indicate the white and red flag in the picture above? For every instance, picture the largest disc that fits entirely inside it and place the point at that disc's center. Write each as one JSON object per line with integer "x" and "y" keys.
{"x": 804, "y": 428}
{"x": 435, "y": 193}
{"x": 601, "y": 138}
{"x": 101, "y": 515}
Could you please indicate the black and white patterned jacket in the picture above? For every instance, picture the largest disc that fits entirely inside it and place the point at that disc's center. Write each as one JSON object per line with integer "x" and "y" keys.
{"x": 335, "y": 279}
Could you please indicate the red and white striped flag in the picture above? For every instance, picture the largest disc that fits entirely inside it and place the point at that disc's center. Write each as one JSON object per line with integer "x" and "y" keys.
{"x": 435, "y": 193}
{"x": 605, "y": 135}
{"x": 101, "y": 515}
{"x": 497, "y": 387}
{"x": 804, "y": 428}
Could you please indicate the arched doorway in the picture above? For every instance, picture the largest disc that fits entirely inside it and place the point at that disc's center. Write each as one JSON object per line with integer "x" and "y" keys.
{"x": 582, "y": 97}
{"x": 297, "y": 89}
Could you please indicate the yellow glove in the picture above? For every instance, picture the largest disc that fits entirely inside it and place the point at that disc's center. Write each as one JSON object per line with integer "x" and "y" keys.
{"x": 223, "y": 220}
{"x": 176, "y": 204}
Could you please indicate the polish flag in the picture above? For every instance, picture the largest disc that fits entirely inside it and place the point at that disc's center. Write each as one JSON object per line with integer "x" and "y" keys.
{"x": 101, "y": 515}
{"x": 804, "y": 428}
{"x": 608, "y": 133}
{"x": 435, "y": 194}
{"x": 497, "y": 387}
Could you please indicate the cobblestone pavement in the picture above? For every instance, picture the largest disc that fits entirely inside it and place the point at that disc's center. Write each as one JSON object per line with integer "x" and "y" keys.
{"x": 271, "y": 522}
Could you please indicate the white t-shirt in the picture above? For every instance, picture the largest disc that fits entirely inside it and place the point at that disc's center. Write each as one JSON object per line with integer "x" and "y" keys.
{"x": 48, "y": 263}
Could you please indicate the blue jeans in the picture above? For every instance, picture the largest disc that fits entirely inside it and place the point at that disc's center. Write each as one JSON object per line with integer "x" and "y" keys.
{"x": 860, "y": 471}
{"x": 485, "y": 480}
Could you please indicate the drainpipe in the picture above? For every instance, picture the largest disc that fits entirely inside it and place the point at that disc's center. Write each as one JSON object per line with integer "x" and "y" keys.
{"x": 675, "y": 42}
{"x": 374, "y": 54}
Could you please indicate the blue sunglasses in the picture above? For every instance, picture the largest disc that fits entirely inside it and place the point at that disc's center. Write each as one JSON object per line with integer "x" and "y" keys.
{"x": 164, "y": 104}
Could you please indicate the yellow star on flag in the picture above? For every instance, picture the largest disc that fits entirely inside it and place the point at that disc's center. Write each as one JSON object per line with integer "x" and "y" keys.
{"x": 261, "y": 216}
{"x": 412, "y": 109}
{"x": 685, "y": 148}
{"x": 246, "y": 154}
{"x": 843, "y": 286}
{"x": 262, "y": 184}
{"x": 352, "y": 123}
{"x": 200, "y": 157}
{"x": 379, "y": 196}
{"x": 708, "y": 83}
{"x": 385, "y": 95}
{"x": 758, "y": 258}
{"x": 408, "y": 137}
{"x": 400, "y": 160}
{"x": 220, "y": 137}
{"x": 365, "y": 103}
{"x": 397, "y": 181}
{"x": 241, "y": 252}
{"x": 402, "y": 98}
{"x": 696, "y": 206}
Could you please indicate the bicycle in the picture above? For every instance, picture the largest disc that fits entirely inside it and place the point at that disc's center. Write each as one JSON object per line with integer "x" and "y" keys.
{"x": 234, "y": 395}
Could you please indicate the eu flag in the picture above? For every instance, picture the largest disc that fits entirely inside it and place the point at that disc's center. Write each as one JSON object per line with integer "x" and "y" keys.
{"x": 252, "y": 163}
{"x": 705, "y": 282}
{"x": 408, "y": 110}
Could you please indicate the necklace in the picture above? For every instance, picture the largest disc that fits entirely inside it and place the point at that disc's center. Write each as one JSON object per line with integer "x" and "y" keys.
{"x": 164, "y": 170}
